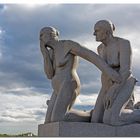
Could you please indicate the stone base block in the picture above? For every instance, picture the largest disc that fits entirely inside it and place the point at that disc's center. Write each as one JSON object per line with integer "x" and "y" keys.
{"x": 83, "y": 129}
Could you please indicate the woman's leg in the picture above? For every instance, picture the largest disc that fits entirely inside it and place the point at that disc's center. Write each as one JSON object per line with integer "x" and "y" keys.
{"x": 50, "y": 108}
{"x": 63, "y": 101}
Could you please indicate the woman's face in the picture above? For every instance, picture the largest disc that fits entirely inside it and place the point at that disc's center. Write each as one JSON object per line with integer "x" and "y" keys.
{"x": 46, "y": 36}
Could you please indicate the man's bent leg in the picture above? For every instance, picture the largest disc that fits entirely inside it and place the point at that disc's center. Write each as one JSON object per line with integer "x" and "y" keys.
{"x": 120, "y": 103}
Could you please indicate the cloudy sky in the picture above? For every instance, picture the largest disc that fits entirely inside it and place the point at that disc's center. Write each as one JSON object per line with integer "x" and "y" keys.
{"x": 24, "y": 87}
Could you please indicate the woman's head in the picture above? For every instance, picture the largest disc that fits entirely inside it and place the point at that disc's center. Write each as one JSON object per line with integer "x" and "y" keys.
{"x": 48, "y": 34}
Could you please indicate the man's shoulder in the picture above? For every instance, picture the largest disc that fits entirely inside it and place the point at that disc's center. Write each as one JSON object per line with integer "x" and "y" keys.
{"x": 123, "y": 44}
{"x": 100, "y": 47}
{"x": 122, "y": 40}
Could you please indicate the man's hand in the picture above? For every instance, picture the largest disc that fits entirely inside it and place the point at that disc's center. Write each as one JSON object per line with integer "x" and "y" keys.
{"x": 116, "y": 77}
{"x": 111, "y": 95}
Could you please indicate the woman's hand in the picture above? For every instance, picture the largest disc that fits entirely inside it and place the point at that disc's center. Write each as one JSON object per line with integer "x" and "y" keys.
{"x": 43, "y": 49}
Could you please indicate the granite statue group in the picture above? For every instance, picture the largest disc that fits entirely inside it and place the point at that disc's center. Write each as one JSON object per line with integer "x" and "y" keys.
{"x": 115, "y": 102}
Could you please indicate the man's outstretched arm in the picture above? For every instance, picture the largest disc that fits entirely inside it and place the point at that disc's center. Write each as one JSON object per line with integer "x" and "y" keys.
{"x": 77, "y": 49}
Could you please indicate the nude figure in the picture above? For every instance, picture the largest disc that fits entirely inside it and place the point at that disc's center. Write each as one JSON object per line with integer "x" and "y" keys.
{"x": 60, "y": 66}
{"x": 115, "y": 101}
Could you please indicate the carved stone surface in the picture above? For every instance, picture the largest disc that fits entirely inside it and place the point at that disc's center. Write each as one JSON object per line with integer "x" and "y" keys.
{"x": 115, "y": 102}
{"x": 114, "y": 113}
{"x": 60, "y": 66}
{"x": 82, "y": 129}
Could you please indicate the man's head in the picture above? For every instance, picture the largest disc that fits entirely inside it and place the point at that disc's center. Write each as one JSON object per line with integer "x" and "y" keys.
{"x": 103, "y": 29}
{"x": 48, "y": 34}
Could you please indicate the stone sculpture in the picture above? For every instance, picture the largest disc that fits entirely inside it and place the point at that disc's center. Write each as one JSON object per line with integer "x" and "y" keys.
{"x": 60, "y": 66}
{"x": 115, "y": 104}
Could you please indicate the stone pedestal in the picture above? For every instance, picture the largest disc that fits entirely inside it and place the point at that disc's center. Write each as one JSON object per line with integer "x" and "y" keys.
{"x": 82, "y": 129}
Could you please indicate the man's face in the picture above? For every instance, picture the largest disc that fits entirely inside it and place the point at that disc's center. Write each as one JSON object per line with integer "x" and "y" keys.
{"x": 99, "y": 33}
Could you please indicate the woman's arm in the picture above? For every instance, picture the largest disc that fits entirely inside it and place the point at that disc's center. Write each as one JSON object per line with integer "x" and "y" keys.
{"x": 48, "y": 63}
